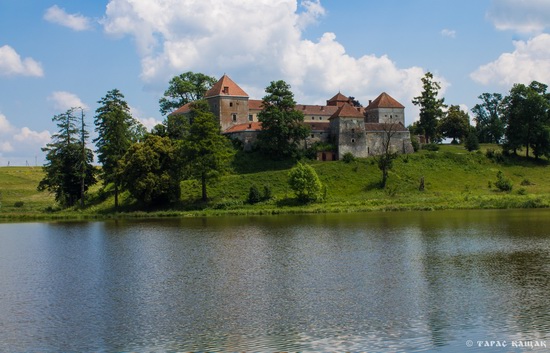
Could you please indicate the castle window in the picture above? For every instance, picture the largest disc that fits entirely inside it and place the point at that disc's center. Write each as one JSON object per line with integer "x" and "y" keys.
{"x": 312, "y": 135}
{"x": 234, "y": 117}
{"x": 353, "y": 131}
{"x": 352, "y": 140}
{"x": 312, "y": 118}
{"x": 230, "y": 104}
{"x": 250, "y": 117}
{"x": 320, "y": 118}
{"x": 226, "y": 89}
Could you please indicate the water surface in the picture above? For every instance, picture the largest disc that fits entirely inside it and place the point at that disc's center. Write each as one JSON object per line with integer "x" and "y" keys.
{"x": 387, "y": 282}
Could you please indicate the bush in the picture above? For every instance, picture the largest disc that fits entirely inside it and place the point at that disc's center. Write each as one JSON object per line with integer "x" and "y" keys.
{"x": 305, "y": 183}
{"x": 348, "y": 157}
{"x": 502, "y": 183}
{"x": 430, "y": 147}
{"x": 254, "y": 195}
{"x": 268, "y": 194}
{"x": 526, "y": 182}
{"x": 18, "y": 204}
{"x": 471, "y": 143}
{"x": 415, "y": 143}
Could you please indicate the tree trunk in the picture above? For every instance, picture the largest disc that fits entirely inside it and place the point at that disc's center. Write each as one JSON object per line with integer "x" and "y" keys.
{"x": 203, "y": 180}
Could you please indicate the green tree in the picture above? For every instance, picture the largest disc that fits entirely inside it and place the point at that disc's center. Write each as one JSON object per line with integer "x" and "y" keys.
{"x": 431, "y": 108}
{"x": 206, "y": 153}
{"x": 117, "y": 131}
{"x": 385, "y": 160}
{"x": 471, "y": 143}
{"x": 305, "y": 183}
{"x": 282, "y": 126}
{"x": 526, "y": 109}
{"x": 455, "y": 124}
{"x": 488, "y": 117}
{"x": 150, "y": 170}
{"x": 183, "y": 89}
{"x": 68, "y": 170}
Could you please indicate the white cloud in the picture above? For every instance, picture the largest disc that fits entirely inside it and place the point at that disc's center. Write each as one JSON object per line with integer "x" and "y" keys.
{"x": 255, "y": 42}
{"x": 450, "y": 33}
{"x": 63, "y": 101}
{"x": 18, "y": 145}
{"x": 11, "y": 64}
{"x": 528, "y": 62}
{"x": 525, "y": 16}
{"x": 27, "y": 135}
{"x": 5, "y": 146}
{"x": 77, "y": 22}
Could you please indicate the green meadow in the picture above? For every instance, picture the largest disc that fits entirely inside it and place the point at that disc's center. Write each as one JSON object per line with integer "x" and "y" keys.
{"x": 453, "y": 179}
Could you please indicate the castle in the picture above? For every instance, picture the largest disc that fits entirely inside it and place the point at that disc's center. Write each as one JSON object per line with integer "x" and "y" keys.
{"x": 358, "y": 130}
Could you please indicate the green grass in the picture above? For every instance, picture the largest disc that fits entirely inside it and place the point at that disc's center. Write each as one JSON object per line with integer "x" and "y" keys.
{"x": 454, "y": 179}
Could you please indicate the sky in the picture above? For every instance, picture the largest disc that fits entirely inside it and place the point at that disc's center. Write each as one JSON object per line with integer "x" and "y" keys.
{"x": 59, "y": 54}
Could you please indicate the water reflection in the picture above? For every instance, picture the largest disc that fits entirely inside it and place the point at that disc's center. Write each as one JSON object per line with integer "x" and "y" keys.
{"x": 382, "y": 282}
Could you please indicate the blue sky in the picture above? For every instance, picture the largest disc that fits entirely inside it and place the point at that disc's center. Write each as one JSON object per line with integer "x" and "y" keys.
{"x": 63, "y": 53}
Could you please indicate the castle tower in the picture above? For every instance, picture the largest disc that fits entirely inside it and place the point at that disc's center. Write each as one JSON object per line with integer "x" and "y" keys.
{"x": 228, "y": 102}
{"x": 338, "y": 100}
{"x": 385, "y": 109}
{"x": 347, "y": 128}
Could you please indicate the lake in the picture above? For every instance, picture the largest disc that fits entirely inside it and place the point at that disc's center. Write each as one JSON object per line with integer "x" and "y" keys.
{"x": 450, "y": 281}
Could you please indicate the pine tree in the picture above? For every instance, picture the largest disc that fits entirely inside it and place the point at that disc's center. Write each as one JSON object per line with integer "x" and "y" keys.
{"x": 68, "y": 171}
{"x": 431, "y": 108}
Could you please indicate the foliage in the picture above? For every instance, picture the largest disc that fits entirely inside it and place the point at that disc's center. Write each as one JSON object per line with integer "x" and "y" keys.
{"x": 183, "y": 89}
{"x": 434, "y": 147}
{"x": 283, "y": 130}
{"x": 68, "y": 170}
{"x": 455, "y": 124}
{"x": 348, "y": 157}
{"x": 207, "y": 154}
{"x": 150, "y": 171}
{"x": 254, "y": 195}
{"x": 117, "y": 131}
{"x": 527, "y": 115}
{"x": 471, "y": 143}
{"x": 431, "y": 108}
{"x": 415, "y": 143}
{"x": 305, "y": 183}
{"x": 489, "y": 118}
{"x": 502, "y": 183}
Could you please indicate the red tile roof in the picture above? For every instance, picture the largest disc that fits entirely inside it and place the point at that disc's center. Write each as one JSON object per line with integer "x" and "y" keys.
{"x": 321, "y": 110}
{"x": 384, "y": 100}
{"x": 252, "y": 126}
{"x": 338, "y": 98}
{"x": 225, "y": 86}
{"x": 255, "y": 104}
{"x": 348, "y": 111}
{"x": 182, "y": 110}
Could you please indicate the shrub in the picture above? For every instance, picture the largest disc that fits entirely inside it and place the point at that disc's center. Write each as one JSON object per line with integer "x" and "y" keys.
{"x": 305, "y": 183}
{"x": 526, "y": 182}
{"x": 502, "y": 183}
{"x": 471, "y": 143}
{"x": 19, "y": 204}
{"x": 348, "y": 157}
{"x": 268, "y": 194}
{"x": 254, "y": 195}
{"x": 415, "y": 143}
{"x": 430, "y": 147}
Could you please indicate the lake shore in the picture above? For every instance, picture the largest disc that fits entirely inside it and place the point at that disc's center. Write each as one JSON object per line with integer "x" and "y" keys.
{"x": 454, "y": 179}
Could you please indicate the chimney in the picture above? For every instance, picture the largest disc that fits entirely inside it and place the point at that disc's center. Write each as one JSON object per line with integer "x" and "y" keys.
{"x": 370, "y": 101}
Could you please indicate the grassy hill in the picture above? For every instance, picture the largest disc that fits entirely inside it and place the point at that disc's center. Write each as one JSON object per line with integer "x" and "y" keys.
{"x": 454, "y": 178}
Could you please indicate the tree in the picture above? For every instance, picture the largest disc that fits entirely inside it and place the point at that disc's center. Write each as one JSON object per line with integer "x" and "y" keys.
{"x": 117, "y": 131}
{"x": 455, "y": 124}
{"x": 206, "y": 153}
{"x": 526, "y": 109}
{"x": 431, "y": 108}
{"x": 68, "y": 170}
{"x": 385, "y": 160}
{"x": 305, "y": 183}
{"x": 183, "y": 89}
{"x": 150, "y": 171}
{"x": 282, "y": 126}
{"x": 488, "y": 117}
{"x": 471, "y": 143}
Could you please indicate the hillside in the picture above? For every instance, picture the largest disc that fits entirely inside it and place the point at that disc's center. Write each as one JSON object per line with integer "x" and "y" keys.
{"x": 454, "y": 178}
